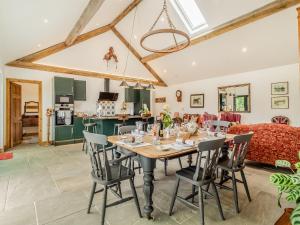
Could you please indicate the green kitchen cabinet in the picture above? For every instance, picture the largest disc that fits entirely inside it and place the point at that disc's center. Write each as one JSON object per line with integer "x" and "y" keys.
{"x": 63, "y": 86}
{"x": 78, "y": 128}
{"x": 64, "y": 134}
{"x": 129, "y": 94}
{"x": 80, "y": 90}
{"x": 143, "y": 98}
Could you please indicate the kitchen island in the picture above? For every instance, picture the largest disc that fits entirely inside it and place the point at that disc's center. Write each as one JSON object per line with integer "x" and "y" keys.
{"x": 69, "y": 134}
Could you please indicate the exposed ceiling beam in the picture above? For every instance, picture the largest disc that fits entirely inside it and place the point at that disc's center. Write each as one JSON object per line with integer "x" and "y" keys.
{"x": 61, "y": 46}
{"x": 137, "y": 55}
{"x": 88, "y": 13}
{"x": 241, "y": 21}
{"x": 125, "y": 12}
{"x": 56, "y": 69}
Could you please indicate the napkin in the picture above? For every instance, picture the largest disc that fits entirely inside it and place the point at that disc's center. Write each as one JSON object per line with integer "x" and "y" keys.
{"x": 187, "y": 142}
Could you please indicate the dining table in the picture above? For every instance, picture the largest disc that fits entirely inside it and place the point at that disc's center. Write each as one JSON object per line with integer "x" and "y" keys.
{"x": 149, "y": 152}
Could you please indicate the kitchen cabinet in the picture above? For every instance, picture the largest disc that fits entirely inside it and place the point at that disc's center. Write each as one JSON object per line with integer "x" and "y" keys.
{"x": 78, "y": 128}
{"x": 80, "y": 90}
{"x": 64, "y": 134}
{"x": 130, "y": 94}
{"x": 63, "y": 86}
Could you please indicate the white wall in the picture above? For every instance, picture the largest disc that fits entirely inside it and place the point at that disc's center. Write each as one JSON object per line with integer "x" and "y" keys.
{"x": 30, "y": 92}
{"x": 1, "y": 105}
{"x": 260, "y": 81}
{"x": 94, "y": 86}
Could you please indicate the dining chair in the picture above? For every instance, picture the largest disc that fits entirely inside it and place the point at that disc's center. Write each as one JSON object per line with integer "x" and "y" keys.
{"x": 220, "y": 125}
{"x": 234, "y": 164}
{"x": 202, "y": 175}
{"x": 127, "y": 130}
{"x": 108, "y": 173}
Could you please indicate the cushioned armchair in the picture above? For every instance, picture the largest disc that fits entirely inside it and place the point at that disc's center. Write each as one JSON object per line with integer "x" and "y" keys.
{"x": 271, "y": 142}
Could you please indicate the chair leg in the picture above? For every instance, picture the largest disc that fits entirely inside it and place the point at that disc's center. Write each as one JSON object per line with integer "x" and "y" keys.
{"x": 180, "y": 163}
{"x": 201, "y": 206}
{"x": 235, "y": 193}
{"x": 245, "y": 185}
{"x": 174, "y": 196}
{"x": 104, "y": 206}
{"x": 166, "y": 167}
{"x": 92, "y": 197}
{"x": 193, "y": 193}
{"x": 206, "y": 189}
{"x": 83, "y": 144}
{"x": 120, "y": 190}
{"x": 217, "y": 200}
{"x": 140, "y": 166}
{"x": 136, "y": 200}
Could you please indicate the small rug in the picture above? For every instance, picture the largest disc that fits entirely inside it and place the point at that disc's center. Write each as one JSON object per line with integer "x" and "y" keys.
{"x": 6, "y": 155}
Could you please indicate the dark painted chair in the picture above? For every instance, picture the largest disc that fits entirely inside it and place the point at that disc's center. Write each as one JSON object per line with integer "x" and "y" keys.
{"x": 108, "y": 173}
{"x": 127, "y": 130}
{"x": 202, "y": 175}
{"x": 235, "y": 164}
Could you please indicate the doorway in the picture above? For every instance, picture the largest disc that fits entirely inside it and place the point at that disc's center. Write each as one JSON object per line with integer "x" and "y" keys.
{"x": 23, "y": 112}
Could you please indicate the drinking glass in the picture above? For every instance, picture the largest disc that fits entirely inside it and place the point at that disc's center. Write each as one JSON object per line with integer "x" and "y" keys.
{"x": 149, "y": 128}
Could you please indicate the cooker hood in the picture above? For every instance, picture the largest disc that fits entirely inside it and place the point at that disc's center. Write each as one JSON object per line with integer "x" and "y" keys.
{"x": 106, "y": 95}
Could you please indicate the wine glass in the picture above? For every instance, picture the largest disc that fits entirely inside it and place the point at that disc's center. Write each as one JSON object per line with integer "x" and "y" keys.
{"x": 149, "y": 128}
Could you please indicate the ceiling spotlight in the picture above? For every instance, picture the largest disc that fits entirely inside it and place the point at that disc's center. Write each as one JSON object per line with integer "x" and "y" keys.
{"x": 162, "y": 19}
{"x": 194, "y": 63}
{"x": 165, "y": 71}
{"x": 46, "y": 20}
{"x": 244, "y": 49}
{"x": 39, "y": 45}
{"x": 135, "y": 37}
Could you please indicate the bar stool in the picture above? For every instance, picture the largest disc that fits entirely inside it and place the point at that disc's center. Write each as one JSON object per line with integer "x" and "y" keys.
{"x": 89, "y": 126}
{"x": 123, "y": 118}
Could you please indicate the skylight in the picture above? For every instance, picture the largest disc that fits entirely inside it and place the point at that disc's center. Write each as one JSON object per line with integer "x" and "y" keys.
{"x": 190, "y": 14}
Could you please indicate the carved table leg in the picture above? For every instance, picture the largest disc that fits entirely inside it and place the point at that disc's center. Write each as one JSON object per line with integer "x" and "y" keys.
{"x": 148, "y": 165}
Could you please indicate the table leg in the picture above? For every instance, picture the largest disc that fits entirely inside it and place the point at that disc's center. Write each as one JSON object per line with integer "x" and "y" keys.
{"x": 190, "y": 160}
{"x": 148, "y": 165}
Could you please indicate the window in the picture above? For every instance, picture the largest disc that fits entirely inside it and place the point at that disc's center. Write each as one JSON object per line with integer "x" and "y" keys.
{"x": 190, "y": 14}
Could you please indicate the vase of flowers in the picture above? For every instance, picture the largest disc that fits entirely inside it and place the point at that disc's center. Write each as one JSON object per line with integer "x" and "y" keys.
{"x": 288, "y": 184}
{"x": 145, "y": 112}
{"x": 166, "y": 117}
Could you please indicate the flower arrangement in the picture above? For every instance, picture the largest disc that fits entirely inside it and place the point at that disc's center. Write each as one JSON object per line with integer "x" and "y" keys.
{"x": 145, "y": 111}
{"x": 289, "y": 184}
{"x": 166, "y": 116}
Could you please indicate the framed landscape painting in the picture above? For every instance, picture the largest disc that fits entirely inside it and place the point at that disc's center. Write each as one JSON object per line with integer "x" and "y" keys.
{"x": 280, "y": 88}
{"x": 197, "y": 101}
{"x": 280, "y": 102}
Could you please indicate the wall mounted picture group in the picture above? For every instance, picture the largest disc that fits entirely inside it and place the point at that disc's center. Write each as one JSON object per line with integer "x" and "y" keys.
{"x": 280, "y": 101}
{"x": 197, "y": 101}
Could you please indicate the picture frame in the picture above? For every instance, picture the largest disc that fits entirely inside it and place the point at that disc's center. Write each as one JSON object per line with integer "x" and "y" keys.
{"x": 280, "y": 88}
{"x": 197, "y": 101}
{"x": 280, "y": 102}
{"x": 160, "y": 100}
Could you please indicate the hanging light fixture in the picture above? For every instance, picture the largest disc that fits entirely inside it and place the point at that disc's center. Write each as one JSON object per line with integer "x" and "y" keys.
{"x": 138, "y": 86}
{"x": 171, "y": 30}
{"x": 150, "y": 87}
{"x": 124, "y": 84}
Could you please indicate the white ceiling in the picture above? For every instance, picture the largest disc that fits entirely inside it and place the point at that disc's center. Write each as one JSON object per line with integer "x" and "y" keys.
{"x": 271, "y": 41}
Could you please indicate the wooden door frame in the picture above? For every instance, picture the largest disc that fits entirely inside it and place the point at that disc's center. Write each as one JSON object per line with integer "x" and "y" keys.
{"x": 8, "y": 109}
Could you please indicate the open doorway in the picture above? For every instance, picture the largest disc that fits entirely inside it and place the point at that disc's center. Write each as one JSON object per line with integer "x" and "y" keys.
{"x": 23, "y": 112}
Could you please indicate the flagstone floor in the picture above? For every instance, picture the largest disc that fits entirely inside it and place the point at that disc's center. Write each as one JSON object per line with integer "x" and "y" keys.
{"x": 51, "y": 185}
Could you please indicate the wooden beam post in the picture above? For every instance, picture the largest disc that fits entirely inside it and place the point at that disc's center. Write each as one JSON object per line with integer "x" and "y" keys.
{"x": 56, "y": 69}
{"x": 88, "y": 13}
{"x": 137, "y": 55}
{"x": 267, "y": 10}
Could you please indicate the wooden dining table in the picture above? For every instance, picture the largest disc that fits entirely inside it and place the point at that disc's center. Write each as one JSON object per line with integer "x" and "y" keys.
{"x": 150, "y": 153}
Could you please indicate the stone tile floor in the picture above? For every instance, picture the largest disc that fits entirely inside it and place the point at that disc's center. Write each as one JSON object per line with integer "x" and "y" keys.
{"x": 51, "y": 185}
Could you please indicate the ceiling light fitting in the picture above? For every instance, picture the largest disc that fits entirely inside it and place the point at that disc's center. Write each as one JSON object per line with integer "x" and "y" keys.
{"x": 171, "y": 30}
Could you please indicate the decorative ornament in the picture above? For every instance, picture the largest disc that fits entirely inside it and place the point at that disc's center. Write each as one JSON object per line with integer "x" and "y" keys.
{"x": 111, "y": 55}
{"x": 171, "y": 30}
{"x": 49, "y": 113}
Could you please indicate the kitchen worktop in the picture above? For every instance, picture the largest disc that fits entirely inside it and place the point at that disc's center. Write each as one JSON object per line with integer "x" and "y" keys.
{"x": 111, "y": 117}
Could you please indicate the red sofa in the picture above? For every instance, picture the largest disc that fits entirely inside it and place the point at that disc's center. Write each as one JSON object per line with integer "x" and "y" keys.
{"x": 271, "y": 142}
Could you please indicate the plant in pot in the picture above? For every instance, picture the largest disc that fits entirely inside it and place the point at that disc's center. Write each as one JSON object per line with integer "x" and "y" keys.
{"x": 288, "y": 184}
{"x": 145, "y": 112}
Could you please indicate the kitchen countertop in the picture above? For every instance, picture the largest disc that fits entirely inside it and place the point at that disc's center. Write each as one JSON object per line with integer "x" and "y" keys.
{"x": 112, "y": 117}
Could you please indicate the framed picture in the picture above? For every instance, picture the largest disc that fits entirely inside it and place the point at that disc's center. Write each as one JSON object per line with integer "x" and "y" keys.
{"x": 160, "y": 100}
{"x": 281, "y": 102}
{"x": 280, "y": 88}
{"x": 197, "y": 101}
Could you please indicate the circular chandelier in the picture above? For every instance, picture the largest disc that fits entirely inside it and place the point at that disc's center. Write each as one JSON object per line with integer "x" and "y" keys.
{"x": 171, "y": 30}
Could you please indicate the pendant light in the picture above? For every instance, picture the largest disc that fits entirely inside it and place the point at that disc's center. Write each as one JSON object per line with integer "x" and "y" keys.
{"x": 138, "y": 86}
{"x": 150, "y": 87}
{"x": 124, "y": 84}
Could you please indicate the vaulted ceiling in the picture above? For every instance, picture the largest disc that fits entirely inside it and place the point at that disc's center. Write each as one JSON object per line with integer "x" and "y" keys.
{"x": 31, "y": 25}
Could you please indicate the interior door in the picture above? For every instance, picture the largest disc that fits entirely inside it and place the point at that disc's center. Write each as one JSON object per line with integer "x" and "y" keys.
{"x": 16, "y": 114}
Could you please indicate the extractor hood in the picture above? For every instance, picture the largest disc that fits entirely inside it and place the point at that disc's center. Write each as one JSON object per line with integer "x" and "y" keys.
{"x": 106, "y": 95}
